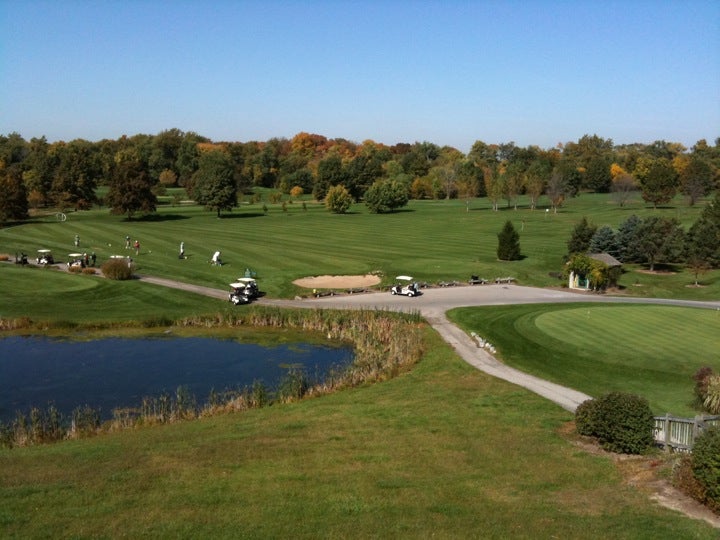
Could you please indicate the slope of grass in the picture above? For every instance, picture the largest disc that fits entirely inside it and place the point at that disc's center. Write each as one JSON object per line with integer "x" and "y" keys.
{"x": 54, "y": 295}
{"x": 431, "y": 240}
{"x": 442, "y": 451}
{"x": 648, "y": 350}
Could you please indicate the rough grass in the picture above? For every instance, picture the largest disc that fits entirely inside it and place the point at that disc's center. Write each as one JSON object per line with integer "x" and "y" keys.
{"x": 648, "y": 350}
{"x": 442, "y": 451}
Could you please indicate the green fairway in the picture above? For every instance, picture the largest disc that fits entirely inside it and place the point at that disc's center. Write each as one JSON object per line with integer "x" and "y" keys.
{"x": 443, "y": 451}
{"x": 431, "y": 240}
{"x": 652, "y": 351}
{"x": 55, "y": 295}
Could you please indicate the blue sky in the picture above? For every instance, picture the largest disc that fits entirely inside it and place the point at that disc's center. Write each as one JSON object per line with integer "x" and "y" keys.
{"x": 534, "y": 72}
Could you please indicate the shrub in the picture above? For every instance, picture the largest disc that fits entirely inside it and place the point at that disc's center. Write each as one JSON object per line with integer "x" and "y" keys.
{"x": 88, "y": 271}
{"x": 684, "y": 479}
{"x": 585, "y": 418}
{"x": 706, "y": 465}
{"x": 712, "y": 395}
{"x": 338, "y": 199}
{"x": 624, "y": 423}
{"x": 75, "y": 269}
{"x": 4, "y": 257}
{"x": 117, "y": 269}
{"x": 701, "y": 377}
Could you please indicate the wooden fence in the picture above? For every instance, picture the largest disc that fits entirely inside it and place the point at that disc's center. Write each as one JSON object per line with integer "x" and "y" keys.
{"x": 679, "y": 434}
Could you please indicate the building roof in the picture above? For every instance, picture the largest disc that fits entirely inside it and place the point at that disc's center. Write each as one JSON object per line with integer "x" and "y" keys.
{"x": 605, "y": 258}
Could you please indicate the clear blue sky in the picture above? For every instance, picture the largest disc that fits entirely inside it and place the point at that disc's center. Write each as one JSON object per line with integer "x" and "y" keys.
{"x": 448, "y": 72}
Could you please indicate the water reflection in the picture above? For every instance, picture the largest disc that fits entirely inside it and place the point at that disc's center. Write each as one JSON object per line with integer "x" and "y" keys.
{"x": 118, "y": 372}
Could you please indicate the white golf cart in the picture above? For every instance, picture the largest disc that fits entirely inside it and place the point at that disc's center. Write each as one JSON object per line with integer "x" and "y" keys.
{"x": 76, "y": 259}
{"x": 405, "y": 287}
{"x": 251, "y": 287}
{"x": 45, "y": 256}
{"x": 237, "y": 294}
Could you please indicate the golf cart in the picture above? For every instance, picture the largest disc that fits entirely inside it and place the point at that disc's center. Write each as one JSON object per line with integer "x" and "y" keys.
{"x": 76, "y": 259}
{"x": 44, "y": 256}
{"x": 237, "y": 294}
{"x": 408, "y": 288}
{"x": 251, "y": 287}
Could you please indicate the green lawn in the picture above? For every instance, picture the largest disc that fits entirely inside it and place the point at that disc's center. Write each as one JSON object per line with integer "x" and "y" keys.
{"x": 431, "y": 240}
{"x": 54, "y": 295}
{"x": 652, "y": 351}
{"x": 443, "y": 451}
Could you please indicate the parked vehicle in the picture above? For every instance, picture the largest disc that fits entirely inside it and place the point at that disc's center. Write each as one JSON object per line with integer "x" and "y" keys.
{"x": 405, "y": 287}
{"x": 76, "y": 259}
{"x": 45, "y": 256}
{"x": 251, "y": 287}
{"x": 237, "y": 294}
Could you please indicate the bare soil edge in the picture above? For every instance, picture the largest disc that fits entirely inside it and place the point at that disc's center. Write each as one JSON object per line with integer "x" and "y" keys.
{"x": 645, "y": 474}
{"x": 337, "y": 282}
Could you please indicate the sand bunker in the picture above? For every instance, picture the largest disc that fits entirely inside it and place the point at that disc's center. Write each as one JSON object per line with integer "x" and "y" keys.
{"x": 337, "y": 282}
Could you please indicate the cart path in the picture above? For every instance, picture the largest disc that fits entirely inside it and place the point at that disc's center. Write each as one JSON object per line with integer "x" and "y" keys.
{"x": 433, "y": 304}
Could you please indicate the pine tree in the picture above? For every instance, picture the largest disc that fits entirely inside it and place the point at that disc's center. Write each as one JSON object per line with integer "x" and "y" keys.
{"x": 508, "y": 243}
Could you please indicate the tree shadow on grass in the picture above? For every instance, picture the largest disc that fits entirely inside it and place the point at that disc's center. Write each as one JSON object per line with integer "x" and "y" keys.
{"x": 156, "y": 218}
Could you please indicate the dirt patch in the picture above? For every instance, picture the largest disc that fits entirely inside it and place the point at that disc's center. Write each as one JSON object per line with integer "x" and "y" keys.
{"x": 649, "y": 474}
{"x": 337, "y": 282}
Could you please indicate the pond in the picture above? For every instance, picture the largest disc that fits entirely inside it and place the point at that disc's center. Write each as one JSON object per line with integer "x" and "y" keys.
{"x": 118, "y": 372}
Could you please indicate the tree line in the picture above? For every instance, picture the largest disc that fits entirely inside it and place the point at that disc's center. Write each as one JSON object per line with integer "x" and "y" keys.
{"x": 36, "y": 173}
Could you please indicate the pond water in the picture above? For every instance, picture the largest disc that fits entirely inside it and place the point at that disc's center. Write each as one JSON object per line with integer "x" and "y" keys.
{"x": 118, "y": 372}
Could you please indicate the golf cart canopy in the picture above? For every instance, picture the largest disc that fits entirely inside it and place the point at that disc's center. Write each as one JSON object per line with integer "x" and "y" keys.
{"x": 404, "y": 278}
{"x": 75, "y": 255}
{"x": 237, "y": 285}
{"x": 43, "y": 251}
{"x": 246, "y": 280}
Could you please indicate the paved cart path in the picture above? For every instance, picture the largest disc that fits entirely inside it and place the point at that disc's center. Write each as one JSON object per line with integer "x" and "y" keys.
{"x": 433, "y": 304}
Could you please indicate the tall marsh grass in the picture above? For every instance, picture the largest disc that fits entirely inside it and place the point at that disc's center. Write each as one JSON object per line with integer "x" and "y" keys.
{"x": 385, "y": 344}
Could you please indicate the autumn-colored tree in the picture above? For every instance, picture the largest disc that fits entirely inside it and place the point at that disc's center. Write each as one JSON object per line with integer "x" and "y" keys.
{"x": 168, "y": 178}
{"x": 338, "y": 199}
{"x": 296, "y": 192}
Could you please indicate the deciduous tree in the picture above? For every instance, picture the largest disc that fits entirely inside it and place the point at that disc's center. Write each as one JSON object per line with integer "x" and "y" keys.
{"x": 131, "y": 190}
{"x": 660, "y": 184}
{"x": 338, "y": 199}
{"x": 13, "y": 196}
{"x": 214, "y": 182}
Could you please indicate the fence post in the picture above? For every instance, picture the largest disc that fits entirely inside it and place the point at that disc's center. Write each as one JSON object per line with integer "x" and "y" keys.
{"x": 666, "y": 427}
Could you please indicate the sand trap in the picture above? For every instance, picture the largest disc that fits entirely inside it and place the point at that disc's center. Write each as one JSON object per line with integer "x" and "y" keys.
{"x": 337, "y": 282}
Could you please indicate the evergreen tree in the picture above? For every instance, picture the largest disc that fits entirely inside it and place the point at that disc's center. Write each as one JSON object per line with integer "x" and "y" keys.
{"x": 508, "y": 243}
{"x": 626, "y": 237}
{"x": 604, "y": 241}
{"x": 660, "y": 239}
{"x": 582, "y": 234}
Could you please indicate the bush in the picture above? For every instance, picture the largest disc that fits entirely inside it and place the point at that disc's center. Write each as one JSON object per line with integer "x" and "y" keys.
{"x": 585, "y": 418}
{"x": 701, "y": 377}
{"x": 706, "y": 465}
{"x": 684, "y": 479}
{"x": 117, "y": 269}
{"x": 712, "y": 395}
{"x": 622, "y": 422}
{"x": 88, "y": 271}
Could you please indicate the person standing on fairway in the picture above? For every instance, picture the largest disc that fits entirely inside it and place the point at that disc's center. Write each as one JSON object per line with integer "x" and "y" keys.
{"x": 182, "y": 250}
{"x": 77, "y": 240}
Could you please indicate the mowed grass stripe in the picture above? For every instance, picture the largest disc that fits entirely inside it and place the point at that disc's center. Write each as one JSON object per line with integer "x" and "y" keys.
{"x": 597, "y": 349}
